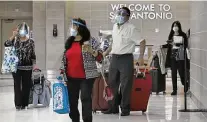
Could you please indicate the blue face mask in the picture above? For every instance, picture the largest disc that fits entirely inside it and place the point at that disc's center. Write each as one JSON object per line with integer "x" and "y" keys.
{"x": 73, "y": 32}
{"x": 22, "y": 33}
{"x": 120, "y": 19}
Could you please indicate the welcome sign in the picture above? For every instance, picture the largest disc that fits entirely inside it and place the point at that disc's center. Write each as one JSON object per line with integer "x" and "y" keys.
{"x": 144, "y": 11}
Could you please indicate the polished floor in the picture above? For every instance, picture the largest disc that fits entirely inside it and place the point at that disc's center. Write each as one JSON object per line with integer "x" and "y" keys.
{"x": 160, "y": 109}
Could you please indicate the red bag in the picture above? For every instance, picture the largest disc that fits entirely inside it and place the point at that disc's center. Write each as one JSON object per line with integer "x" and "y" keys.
{"x": 107, "y": 93}
{"x": 101, "y": 93}
{"x": 141, "y": 92}
{"x": 98, "y": 102}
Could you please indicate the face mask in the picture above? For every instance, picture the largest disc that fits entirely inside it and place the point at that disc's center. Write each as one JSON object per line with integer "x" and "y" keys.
{"x": 73, "y": 32}
{"x": 175, "y": 29}
{"x": 120, "y": 19}
{"x": 22, "y": 33}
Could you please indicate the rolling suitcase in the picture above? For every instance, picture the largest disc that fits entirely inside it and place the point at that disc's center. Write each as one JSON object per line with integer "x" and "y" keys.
{"x": 102, "y": 94}
{"x": 98, "y": 101}
{"x": 158, "y": 81}
{"x": 141, "y": 91}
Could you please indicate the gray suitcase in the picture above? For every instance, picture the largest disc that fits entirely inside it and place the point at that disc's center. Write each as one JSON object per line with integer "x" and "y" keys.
{"x": 158, "y": 81}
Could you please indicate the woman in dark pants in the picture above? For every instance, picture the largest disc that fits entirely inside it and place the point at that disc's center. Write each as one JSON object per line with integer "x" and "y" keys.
{"x": 26, "y": 53}
{"x": 80, "y": 69}
{"x": 176, "y": 39}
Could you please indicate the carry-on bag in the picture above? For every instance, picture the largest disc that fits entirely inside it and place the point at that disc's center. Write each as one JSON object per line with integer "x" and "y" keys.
{"x": 40, "y": 92}
{"x": 98, "y": 101}
{"x": 37, "y": 87}
{"x": 107, "y": 93}
{"x": 141, "y": 91}
{"x": 101, "y": 92}
{"x": 60, "y": 97}
{"x": 158, "y": 81}
{"x": 10, "y": 60}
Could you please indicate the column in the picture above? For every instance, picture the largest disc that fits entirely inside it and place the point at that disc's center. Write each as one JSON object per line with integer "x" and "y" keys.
{"x": 55, "y": 14}
{"x": 39, "y": 32}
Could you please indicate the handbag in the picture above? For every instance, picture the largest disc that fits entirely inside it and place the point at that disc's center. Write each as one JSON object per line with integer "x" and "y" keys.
{"x": 60, "y": 97}
{"x": 10, "y": 60}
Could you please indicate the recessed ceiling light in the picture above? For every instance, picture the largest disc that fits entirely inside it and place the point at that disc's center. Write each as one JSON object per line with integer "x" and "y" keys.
{"x": 17, "y": 10}
{"x": 157, "y": 30}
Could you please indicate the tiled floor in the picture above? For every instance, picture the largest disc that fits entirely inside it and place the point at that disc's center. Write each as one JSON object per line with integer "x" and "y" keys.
{"x": 161, "y": 109}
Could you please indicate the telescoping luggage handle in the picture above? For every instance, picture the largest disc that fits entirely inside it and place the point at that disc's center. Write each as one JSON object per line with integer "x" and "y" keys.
{"x": 38, "y": 70}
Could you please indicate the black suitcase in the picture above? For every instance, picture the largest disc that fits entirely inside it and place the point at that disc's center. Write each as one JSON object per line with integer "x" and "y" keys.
{"x": 158, "y": 81}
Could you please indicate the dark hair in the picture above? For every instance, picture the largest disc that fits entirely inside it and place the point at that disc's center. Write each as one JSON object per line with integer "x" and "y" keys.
{"x": 83, "y": 31}
{"x": 180, "y": 31}
{"x": 127, "y": 10}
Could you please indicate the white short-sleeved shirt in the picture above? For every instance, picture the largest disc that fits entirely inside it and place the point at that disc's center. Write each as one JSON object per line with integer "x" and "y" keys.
{"x": 125, "y": 38}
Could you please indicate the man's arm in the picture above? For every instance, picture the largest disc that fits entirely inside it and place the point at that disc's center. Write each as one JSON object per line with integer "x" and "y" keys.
{"x": 142, "y": 50}
{"x": 136, "y": 37}
{"x": 106, "y": 32}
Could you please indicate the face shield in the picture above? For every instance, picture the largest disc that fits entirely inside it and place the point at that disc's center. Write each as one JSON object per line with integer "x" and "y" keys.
{"x": 73, "y": 28}
{"x": 122, "y": 12}
{"x": 23, "y": 30}
{"x": 121, "y": 16}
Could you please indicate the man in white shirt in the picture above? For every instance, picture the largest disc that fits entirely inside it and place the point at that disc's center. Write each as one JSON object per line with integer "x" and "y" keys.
{"x": 125, "y": 36}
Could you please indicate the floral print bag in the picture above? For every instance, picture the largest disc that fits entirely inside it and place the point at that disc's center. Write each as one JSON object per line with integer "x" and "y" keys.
{"x": 10, "y": 60}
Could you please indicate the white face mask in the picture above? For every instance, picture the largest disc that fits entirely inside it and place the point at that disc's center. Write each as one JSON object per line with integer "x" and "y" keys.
{"x": 22, "y": 33}
{"x": 120, "y": 19}
{"x": 73, "y": 32}
{"x": 175, "y": 29}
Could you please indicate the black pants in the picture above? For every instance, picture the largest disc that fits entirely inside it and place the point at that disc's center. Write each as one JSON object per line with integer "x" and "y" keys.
{"x": 180, "y": 67}
{"x": 121, "y": 72}
{"x": 22, "y": 85}
{"x": 74, "y": 88}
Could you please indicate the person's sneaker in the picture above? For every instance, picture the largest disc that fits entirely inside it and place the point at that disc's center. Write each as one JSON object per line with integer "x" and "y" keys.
{"x": 174, "y": 93}
{"x": 18, "y": 108}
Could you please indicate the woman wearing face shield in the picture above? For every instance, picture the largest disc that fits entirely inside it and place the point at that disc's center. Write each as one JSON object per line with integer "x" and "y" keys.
{"x": 176, "y": 39}
{"x": 25, "y": 49}
{"x": 79, "y": 67}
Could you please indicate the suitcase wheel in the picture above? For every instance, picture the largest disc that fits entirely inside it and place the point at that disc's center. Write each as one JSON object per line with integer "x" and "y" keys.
{"x": 143, "y": 111}
{"x": 94, "y": 111}
{"x": 157, "y": 93}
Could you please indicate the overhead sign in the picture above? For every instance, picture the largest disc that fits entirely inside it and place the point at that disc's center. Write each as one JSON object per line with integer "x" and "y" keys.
{"x": 145, "y": 11}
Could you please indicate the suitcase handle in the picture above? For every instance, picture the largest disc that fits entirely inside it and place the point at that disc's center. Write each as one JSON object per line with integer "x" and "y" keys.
{"x": 102, "y": 74}
{"x": 139, "y": 72}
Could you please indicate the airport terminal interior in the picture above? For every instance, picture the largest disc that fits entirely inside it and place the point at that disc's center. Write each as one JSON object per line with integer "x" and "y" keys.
{"x": 153, "y": 19}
